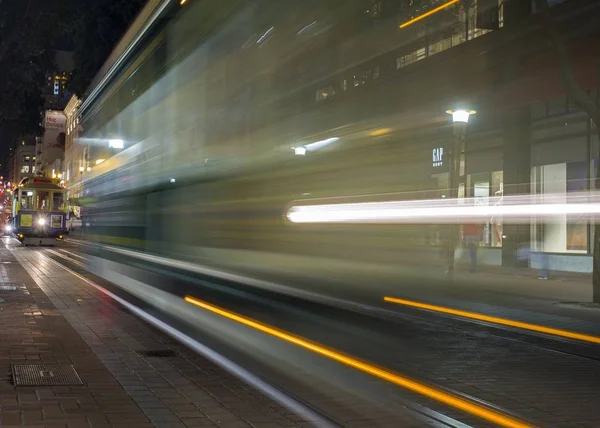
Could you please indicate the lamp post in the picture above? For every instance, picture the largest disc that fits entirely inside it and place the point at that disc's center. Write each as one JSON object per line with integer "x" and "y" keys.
{"x": 460, "y": 119}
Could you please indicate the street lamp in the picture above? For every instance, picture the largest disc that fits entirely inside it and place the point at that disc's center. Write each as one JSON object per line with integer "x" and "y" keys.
{"x": 300, "y": 151}
{"x": 460, "y": 119}
{"x": 461, "y": 115}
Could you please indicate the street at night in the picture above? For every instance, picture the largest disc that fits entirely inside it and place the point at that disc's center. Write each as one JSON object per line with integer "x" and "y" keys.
{"x": 261, "y": 214}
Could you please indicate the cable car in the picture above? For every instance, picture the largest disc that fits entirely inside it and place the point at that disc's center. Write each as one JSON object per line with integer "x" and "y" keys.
{"x": 38, "y": 211}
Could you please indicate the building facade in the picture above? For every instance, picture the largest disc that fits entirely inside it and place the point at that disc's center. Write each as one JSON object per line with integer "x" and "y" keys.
{"x": 75, "y": 161}
{"x": 51, "y": 147}
{"x": 22, "y": 161}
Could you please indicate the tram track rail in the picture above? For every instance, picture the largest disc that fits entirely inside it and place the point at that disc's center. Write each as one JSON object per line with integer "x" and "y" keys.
{"x": 430, "y": 417}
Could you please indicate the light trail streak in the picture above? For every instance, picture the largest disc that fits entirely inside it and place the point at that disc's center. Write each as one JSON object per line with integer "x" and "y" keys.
{"x": 481, "y": 411}
{"x": 514, "y": 209}
{"x": 426, "y": 14}
{"x": 496, "y": 320}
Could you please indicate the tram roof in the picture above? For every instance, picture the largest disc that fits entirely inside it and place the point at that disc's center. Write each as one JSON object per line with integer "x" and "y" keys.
{"x": 39, "y": 183}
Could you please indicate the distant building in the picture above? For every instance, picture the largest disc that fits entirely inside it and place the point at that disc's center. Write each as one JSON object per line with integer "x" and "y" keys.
{"x": 75, "y": 162}
{"x": 51, "y": 147}
{"x": 22, "y": 161}
{"x": 56, "y": 93}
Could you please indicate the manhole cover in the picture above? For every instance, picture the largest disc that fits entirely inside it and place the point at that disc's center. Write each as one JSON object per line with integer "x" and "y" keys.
{"x": 42, "y": 375}
{"x": 161, "y": 353}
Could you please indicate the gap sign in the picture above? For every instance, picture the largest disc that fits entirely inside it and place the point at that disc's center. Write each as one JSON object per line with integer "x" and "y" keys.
{"x": 438, "y": 157}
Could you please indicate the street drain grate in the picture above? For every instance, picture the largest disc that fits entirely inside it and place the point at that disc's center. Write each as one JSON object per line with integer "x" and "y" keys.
{"x": 45, "y": 375}
{"x": 160, "y": 353}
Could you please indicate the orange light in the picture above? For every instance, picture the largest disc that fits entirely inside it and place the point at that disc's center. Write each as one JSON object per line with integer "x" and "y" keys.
{"x": 412, "y": 385}
{"x": 380, "y": 132}
{"x": 182, "y": 2}
{"x": 496, "y": 320}
{"x": 426, "y": 14}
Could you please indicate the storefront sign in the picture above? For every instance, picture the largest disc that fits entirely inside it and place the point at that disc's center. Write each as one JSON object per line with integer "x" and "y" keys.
{"x": 437, "y": 157}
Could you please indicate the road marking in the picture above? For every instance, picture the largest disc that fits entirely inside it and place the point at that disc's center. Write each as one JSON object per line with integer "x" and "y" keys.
{"x": 467, "y": 406}
{"x": 496, "y": 320}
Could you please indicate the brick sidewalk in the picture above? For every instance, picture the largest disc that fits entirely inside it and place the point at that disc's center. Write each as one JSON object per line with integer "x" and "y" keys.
{"x": 53, "y": 318}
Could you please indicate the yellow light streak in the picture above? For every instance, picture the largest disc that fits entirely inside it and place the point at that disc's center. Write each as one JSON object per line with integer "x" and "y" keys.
{"x": 497, "y": 320}
{"x": 412, "y": 385}
{"x": 426, "y": 14}
{"x": 182, "y": 2}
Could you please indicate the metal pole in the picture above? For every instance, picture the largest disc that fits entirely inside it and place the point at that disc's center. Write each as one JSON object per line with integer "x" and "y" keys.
{"x": 457, "y": 153}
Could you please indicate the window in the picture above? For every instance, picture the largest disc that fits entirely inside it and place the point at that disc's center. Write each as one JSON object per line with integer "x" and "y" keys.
{"x": 325, "y": 93}
{"x": 57, "y": 201}
{"x": 34, "y": 158}
{"x": 33, "y": 169}
{"x": 563, "y": 233}
{"x": 27, "y": 200}
{"x": 376, "y": 72}
{"x": 344, "y": 85}
{"x": 42, "y": 200}
{"x": 410, "y": 58}
{"x": 362, "y": 77}
{"x": 25, "y": 169}
{"x": 26, "y": 158}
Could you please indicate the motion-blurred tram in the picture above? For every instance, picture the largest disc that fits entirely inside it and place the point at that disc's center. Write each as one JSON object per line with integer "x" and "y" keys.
{"x": 211, "y": 119}
{"x": 38, "y": 211}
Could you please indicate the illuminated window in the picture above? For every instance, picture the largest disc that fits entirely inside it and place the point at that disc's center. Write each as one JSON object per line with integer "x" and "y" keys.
{"x": 33, "y": 169}
{"x": 26, "y": 158}
{"x": 324, "y": 93}
{"x": 410, "y": 58}
{"x": 34, "y": 158}
{"x": 25, "y": 169}
{"x": 362, "y": 77}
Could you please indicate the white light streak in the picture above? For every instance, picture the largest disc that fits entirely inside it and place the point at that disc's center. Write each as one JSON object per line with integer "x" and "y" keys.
{"x": 320, "y": 144}
{"x": 262, "y": 38}
{"x": 306, "y": 28}
{"x": 509, "y": 208}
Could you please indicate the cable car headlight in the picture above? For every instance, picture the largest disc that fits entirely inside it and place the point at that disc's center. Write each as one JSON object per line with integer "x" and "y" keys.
{"x": 41, "y": 221}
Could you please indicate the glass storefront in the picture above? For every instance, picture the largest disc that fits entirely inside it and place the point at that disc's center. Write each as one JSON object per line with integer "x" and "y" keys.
{"x": 487, "y": 188}
{"x": 562, "y": 233}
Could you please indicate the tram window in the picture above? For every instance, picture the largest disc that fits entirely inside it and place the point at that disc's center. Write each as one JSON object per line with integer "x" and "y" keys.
{"x": 43, "y": 200}
{"x": 57, "y": 201}
{"x": 27, "y": 200}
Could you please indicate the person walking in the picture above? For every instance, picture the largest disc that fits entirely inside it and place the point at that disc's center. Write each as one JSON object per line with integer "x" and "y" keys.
{"x": 472, "y": 236}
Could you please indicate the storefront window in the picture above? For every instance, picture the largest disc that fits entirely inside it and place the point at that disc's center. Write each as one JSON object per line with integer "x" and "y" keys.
{"x": 487, "y": 188}
{"x": 562, "y": 233}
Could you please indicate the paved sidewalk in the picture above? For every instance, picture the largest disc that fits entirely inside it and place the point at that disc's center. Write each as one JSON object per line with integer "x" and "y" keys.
{"x": 134, "y": 376}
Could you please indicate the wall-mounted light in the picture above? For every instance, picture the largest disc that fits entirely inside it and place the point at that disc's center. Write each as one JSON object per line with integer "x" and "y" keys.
{"x": 116, "y": 144}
